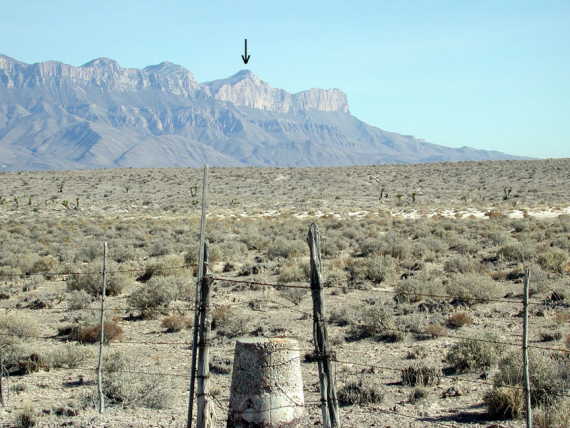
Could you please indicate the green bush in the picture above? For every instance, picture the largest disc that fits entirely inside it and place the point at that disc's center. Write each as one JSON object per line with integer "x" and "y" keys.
{"x": 515, "y": 252}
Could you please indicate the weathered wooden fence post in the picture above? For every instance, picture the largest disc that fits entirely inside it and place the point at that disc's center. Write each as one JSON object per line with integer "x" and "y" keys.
{"x": 197, "y": 300}
{"x": 102, "y": 333}
{"x": 329, "y": 401}
{"x": 205, "y": 416}
{"x": 525, "y": 351}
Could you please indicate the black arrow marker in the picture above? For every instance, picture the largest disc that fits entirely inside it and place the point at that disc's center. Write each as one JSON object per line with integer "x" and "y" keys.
{"x": 246, "y": 56}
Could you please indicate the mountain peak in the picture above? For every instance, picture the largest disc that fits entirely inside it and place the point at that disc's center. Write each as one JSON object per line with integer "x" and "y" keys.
{"x": 102, "y": 63}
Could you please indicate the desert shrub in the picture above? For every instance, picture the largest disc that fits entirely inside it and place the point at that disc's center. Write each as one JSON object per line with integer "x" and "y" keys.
{"x": 472, "y": 355}
{"x": 420, "y": 374}
{"x": 123, "y": 385}
{"x": 515, "y": 252}
{"x": 435, "y": 245}
{"x": 79, "y": 299}
{"x": 459, "y": 319}
{"x": 174, "y": 323}
{"x": 552, "y": 416}
{"x": 294, "y": 295}
{"x": 92, "y": 334}
{"x": 550, "y": 335}
{"x": 153, "y": 297}
{"x": 378, "y": 323}
{"x": 18, "y": 324}
{"x": 504, "y": 402}
{"x": 459, "y": 264}
{"x": 361, "y": 392}
{"x": 417, "y": 395}
{"x": 342, "y": 316}
{"x": 160, "y": 248}
{"x": 294, "y": 271}
{"x": 91, "y": 282}
{"x": 471, "y": 288}
{"x": 413, "y": 290}
{"x": 169, "y": 265}
{"x": 286, "y": 248}
{"x": 499, "y": 237}
{"x": 553, "y": 260}
{"x": 380, "y": 269}
{"x": 230, "y": 323}
{"x": 45, "y": 264}
{"x": 549, "y": 377}
{"x": 26, "y": 417}
{"x": 435, "y": 330}
{"x": 69, "y": 356}
{"x": 463, "y": 246}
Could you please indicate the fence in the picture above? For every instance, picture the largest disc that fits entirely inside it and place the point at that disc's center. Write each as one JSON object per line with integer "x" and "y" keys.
{"x": 322, "y": 398}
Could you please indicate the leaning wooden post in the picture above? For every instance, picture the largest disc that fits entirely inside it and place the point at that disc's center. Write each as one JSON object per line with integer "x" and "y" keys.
{"x": 205, "y": 409}
{"x": 197, "y": 300}
{"x": 525, "y": 351}
{"x": 102, "y": 334}
{"x": 329, "y": 401}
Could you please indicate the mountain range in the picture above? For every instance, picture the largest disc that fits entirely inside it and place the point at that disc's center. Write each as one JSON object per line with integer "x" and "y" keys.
{"x": 101, "y": 115}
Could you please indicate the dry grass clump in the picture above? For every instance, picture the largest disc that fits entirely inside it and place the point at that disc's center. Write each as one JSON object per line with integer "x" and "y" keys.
{"x": 504, "y": 402}
{"x": 472, "y": 355}
{"x": 420, "y": 374}
{"x": 174, "y": 323}
{"x": 459, "y": 319}
{"x": 436, "y": 330}
{"x": 554, "y": 416}
{"x": 361, "y": 392}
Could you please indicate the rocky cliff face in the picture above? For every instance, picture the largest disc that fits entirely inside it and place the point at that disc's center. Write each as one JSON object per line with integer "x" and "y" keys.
{"x": 246, "y": 89}
{"x": 101, "y": 73}
{"x": 56, "y": 116}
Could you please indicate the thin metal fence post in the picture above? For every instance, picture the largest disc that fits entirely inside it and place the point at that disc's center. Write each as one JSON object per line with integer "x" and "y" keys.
{"x": 525, "y": 351}
{"x": 197, "y": 317}
{"x": 102, "y": 334}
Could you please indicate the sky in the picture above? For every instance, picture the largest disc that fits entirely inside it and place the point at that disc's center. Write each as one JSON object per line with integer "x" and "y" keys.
{"x": 488, "y": 74}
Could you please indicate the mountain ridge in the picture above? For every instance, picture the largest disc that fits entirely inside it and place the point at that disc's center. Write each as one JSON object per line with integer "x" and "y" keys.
{"x": 58, "y": 116}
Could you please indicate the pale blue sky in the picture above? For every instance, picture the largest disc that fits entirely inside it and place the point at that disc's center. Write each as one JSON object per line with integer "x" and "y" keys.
{"x": 490, "y": 74}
